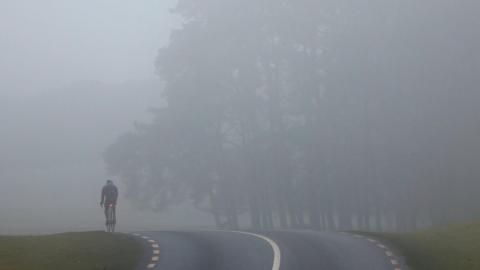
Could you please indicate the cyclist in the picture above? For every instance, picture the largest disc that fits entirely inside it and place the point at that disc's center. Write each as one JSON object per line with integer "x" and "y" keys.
{"x": 109, "y": 198}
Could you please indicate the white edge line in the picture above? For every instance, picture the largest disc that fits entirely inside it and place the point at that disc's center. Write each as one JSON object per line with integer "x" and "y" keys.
{"x": 277, "y": 255}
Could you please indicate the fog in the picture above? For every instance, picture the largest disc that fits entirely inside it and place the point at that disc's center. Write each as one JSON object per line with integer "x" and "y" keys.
{"x": 47, "y": 44}
{"x": 74, "y": 75}
{"x": 253, "y": 114}
{"x": 52, "y": 167}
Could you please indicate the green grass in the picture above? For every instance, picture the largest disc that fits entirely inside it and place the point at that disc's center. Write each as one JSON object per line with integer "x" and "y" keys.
{"x": 73, "y": 251}
{"x": 453, "y": 248}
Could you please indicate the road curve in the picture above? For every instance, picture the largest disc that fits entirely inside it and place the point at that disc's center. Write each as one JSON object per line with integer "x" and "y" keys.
{"x": 285, "y": 250}
{"x": 309, "y": 250}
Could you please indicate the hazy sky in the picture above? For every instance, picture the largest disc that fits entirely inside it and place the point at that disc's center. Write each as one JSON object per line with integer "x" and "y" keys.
{"x": 45, "y": 44}
{"x": 48, "y": 48}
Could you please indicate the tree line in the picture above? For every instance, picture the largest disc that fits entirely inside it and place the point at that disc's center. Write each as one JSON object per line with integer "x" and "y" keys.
{"x": 320, "y": 114}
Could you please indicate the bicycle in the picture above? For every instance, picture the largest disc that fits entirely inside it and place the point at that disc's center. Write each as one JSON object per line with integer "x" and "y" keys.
{"x": 111, "y": 217}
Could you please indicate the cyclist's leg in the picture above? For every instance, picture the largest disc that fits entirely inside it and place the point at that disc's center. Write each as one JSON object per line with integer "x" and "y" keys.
{"x": 106, "y": 214}
{"x": 110, "y": 218}
{"x": 114, "y": 217}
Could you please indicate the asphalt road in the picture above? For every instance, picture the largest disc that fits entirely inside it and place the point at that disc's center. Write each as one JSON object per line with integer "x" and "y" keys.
{"x": 285, "y": 250}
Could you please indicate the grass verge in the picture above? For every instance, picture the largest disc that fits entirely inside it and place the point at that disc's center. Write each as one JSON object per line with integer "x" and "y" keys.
{"x": 453, "y": 248}
{"x": 73, "y": 251}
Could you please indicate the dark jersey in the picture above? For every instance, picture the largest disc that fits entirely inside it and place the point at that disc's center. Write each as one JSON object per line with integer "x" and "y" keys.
{"x": 109, "y": 194}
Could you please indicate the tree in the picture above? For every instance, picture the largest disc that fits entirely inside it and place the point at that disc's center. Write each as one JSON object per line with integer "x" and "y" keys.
{"x": 327, "y": 114}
